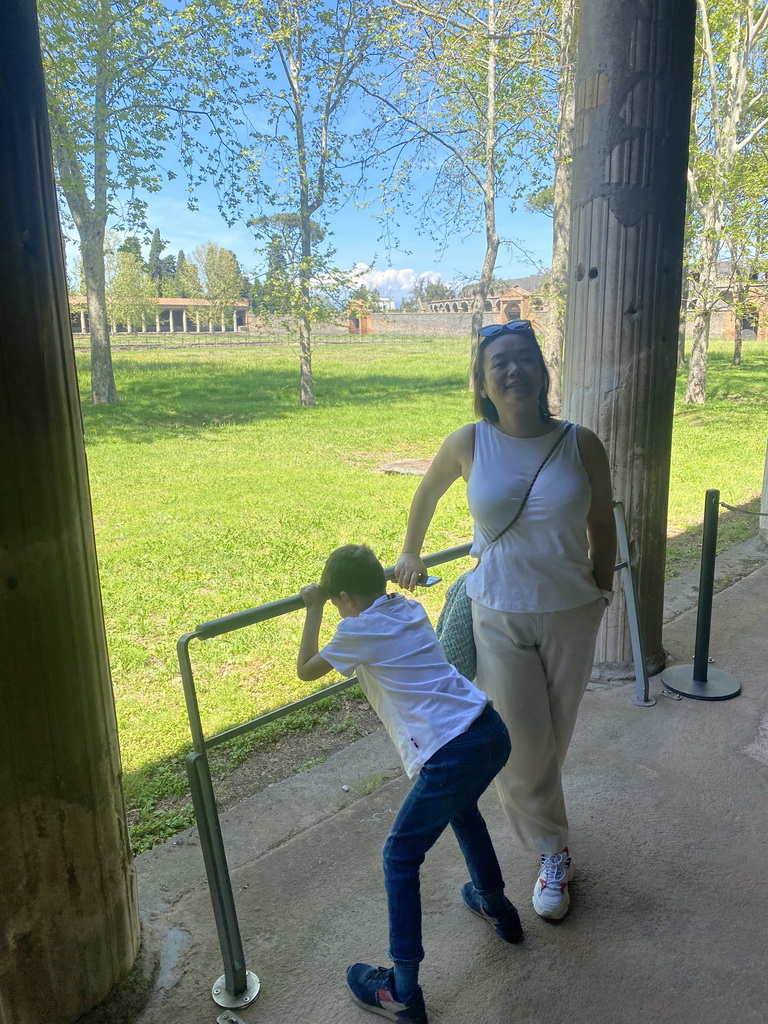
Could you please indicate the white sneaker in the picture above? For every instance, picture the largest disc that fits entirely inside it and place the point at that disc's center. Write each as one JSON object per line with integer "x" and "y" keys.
{"x": 550, "y": 894}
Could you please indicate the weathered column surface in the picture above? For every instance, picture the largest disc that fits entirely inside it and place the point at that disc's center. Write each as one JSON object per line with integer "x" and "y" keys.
{"x": 69, "y": 925}
{"x": 633, "y": 99}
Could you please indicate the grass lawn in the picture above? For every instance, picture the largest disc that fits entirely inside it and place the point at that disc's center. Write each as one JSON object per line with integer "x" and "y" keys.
{"x": 214, "y": 492}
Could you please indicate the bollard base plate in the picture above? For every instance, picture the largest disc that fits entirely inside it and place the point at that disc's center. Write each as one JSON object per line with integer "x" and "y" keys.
{"x": 639, "y": 702}
{"x": 719, "y": 685}
{"x": 224, "y": 998}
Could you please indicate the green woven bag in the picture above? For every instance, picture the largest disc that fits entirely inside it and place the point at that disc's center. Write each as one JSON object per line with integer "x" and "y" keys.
{"x": 454, "y": 628}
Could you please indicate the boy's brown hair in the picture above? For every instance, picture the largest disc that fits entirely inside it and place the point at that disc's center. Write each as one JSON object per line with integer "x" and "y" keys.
{"x": 355, "y": 569}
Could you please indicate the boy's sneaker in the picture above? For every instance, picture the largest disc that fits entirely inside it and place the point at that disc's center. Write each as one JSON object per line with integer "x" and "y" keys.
{"x": 550, "y": 894}
{"x": 373, "y": 988}
{"x": 506, "y": 924}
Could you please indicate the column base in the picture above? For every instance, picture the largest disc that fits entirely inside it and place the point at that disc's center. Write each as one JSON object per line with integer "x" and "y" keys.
{"x": 127, "y": 999}
{"x": 617, "y": 673}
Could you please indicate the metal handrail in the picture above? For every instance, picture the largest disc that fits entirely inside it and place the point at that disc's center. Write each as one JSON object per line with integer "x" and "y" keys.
{"x": 238, "y": 987}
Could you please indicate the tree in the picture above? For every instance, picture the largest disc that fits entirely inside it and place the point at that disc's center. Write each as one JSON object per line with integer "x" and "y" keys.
{"x": 155, "y": 262}
{"x": 496, "y": 286}
{"x": 119, "y": 90}
{"x": 306, "y": 58}
{"x": 730, "y": 114}
{"x": 130, "y": 293}
{"x": 463, "y": 100}
{"x": 363, "y": 300}
{"x": 221, "y": 279}
{"x": 553, "y": 334}
{"x": 281, "y": 245}
{"x": 187, "y": 278}
{"x": 161, "y": 269}
{"x": 427, "y": 290}
{"x": 746, "y": 239}
{"x": 132, "y": 245}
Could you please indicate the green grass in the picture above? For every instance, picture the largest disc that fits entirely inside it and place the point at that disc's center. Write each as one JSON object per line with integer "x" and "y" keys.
{"x": 720, "y": 445}
{"x": 213, "y": 491}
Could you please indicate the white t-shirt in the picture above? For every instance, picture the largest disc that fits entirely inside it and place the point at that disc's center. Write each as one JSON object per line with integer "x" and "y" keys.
{"x": 422, "y": 701}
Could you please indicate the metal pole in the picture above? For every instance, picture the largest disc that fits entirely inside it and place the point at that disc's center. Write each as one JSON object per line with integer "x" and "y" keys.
{"x": 237, "y": 987}
{"x": 706, "y": 586}
{"x": 700, "y": 681}
{"x": 641, "y": 698}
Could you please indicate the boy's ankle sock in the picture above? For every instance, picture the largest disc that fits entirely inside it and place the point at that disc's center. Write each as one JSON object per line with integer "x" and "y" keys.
{"x": 406, "y": 981}
{"x": 494, "y": 903}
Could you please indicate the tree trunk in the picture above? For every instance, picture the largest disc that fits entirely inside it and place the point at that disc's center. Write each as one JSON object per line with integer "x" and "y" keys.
{"x": 741, "y": 304}
{"x": 633, "y": 101}
{"x": 489, "y": 196}
{"x": 91, "y": 218}
{"x": 103, "y": 389}
{"x": 483, "y": 285}
{"x": 737, "y": 341}
{"x": 307, "y": 383}
{"x": 681, "y": 331}
{"x": 557, "y": 293}
{"x": 712, "y": 226}
{"x": 69, "y": 924}
{"x": 696, "y": 390}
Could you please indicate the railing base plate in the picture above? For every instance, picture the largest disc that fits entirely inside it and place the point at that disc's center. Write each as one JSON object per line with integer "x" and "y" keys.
{"x": 224, "y": 998}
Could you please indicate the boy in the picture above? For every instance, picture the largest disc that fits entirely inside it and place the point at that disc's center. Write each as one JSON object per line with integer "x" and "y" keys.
{"x": 448, "y": 736}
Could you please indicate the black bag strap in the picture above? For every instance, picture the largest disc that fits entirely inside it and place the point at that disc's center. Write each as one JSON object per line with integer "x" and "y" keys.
{"x": 547, "y": 457}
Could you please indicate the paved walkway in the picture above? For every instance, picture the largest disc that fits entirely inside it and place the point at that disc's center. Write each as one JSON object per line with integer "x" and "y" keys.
{"x": 669, "y": 818}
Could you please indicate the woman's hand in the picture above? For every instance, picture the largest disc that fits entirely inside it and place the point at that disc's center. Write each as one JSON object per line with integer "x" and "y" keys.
{"x": 408, "y": 570}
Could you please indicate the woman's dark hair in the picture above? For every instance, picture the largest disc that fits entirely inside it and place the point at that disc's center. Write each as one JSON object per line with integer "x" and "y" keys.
{"x": 484, "y": 407}
{"x": 355, "y": 569}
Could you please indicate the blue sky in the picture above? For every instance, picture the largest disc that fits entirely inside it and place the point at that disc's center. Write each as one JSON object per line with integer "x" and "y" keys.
{"x": 355, "y": 238}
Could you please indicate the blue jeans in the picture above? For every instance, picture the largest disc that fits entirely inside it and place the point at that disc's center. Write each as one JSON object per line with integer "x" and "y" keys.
{"x": 445, "y": 792}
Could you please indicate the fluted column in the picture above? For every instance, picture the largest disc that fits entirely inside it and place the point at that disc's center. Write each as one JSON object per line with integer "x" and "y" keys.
{"x": 69, "y": 926}
{"x": 633, "y": 98}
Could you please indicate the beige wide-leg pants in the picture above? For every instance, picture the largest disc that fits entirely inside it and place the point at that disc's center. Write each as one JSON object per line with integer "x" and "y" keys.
{"x": 535, "y": 668}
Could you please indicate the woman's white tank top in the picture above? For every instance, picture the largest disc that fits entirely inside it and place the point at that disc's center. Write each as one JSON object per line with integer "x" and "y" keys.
{"x": 542, "y": 563}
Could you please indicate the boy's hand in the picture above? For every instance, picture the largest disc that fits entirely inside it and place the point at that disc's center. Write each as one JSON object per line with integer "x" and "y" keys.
{"x": 310, "y": 664}
{"x": 313, "y": 596}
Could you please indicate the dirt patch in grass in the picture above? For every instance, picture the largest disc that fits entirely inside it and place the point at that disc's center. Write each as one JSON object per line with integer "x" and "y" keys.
{"x": 297, "y": 752}
{"x": 292, "y": 753}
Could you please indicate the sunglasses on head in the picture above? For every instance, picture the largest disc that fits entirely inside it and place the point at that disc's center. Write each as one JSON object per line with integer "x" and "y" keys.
{"x": 510, "y": 326}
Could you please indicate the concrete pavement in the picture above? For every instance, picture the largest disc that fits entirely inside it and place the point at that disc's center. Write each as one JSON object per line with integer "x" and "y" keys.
{"x": 669, "y": 814}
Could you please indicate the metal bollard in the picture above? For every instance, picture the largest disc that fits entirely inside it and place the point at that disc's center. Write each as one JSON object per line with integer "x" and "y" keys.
{"x": 700, "y": 681}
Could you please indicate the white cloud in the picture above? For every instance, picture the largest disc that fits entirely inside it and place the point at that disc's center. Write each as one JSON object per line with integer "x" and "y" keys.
{"x": 393, "y": 283}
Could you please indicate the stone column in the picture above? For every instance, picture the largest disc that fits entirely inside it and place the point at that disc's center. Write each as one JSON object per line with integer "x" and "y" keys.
{"x": 69, "y": 925}
{"x": 184, "y": 323}
{"x": 633, "y": 100}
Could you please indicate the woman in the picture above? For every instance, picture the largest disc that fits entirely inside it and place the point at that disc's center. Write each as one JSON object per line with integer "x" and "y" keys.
{"x": 541, "y": 586}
